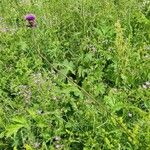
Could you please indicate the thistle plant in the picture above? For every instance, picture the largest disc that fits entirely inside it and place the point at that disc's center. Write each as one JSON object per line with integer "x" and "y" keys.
{"x": 31, "y": 20}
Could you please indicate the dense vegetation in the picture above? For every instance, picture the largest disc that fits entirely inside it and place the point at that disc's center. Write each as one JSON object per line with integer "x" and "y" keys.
{"x": 80, "y": 79}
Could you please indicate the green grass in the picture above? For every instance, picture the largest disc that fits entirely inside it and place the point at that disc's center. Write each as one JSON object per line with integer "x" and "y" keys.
{"x": 80, "y": 80}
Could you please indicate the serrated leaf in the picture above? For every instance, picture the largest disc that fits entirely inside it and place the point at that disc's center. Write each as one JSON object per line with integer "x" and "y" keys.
{"x": 19, "y": 119}
{"x": 69, "y": 66}
{"x": 118, "y": 106}
{"x": 13, "y": 129}
{"x": 32, "y": 113}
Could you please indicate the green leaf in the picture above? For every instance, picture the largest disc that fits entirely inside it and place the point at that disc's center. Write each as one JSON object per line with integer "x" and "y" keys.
{"x": 2, "y": 134}
{"x": 118, "y": 106}
{"x": 19, "y": 119}
{"x": 13, "y": 129}
{"x": 15, "y": 148}
{"x": 32, "y": 113}
{"x": 28, "y": 147}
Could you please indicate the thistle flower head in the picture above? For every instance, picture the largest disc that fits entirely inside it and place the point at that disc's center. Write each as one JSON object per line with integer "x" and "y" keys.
{"x": 30, "y": 17}
{"x": 31, "y": 20}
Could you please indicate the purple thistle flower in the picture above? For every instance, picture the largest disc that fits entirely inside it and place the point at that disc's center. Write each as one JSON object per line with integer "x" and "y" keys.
{"x": 31, "y": 20}
{"x": 30, "y": 17}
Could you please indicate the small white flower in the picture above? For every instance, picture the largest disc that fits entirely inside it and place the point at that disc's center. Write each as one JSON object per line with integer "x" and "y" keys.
{"x": 36, "y": 145}
{"x": 57, "y": 138}
{"x": 114, "y": 89}
{"x": 25, "y": 91}
{"x": 129, "y": 114}
{"x": 39, "y": 111}
{"x": 54, "y": 98}
{"x": 147, "y": 83}
{"x": 144, "y": 86}
{"x": 58, "y": 146}
{"x": 146, "y": 56}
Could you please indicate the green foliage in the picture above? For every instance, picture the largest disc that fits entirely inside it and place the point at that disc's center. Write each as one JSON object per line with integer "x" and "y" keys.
{"x": 80, "y": 80}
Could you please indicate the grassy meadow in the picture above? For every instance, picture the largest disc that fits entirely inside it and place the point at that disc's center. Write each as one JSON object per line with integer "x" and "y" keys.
{"x": 79, "y": 80}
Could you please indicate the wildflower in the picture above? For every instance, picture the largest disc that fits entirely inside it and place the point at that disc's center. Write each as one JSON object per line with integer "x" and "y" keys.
{"x": 39, "y": 111}
{"x": 25, "y": 91}
{"x": 54, "y": 98}
{"x": 146, "y": 56}
{"x": 36, "y": 145}
{"x": 57, "y": 138}
{"x": 147, "y": 83}
{"x": 129, "y": 114}
{"x": 114, "y": 89}
{"x": 147, "y": 47}
{"x": 31, "y": 20}
{"x": 58, "y": 146}
{"x": 4, "y": 29}
{"x": 93, "y": 48}
{"x": 144, "y": 86}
